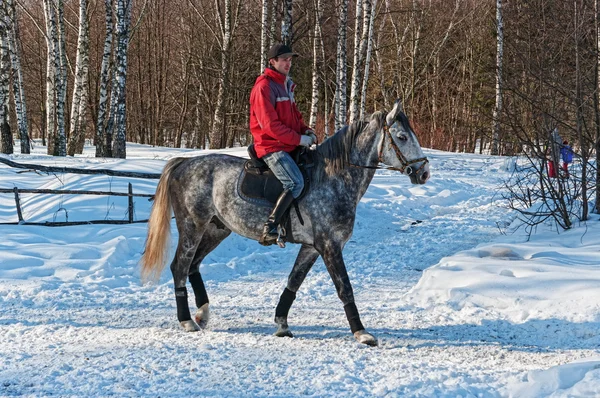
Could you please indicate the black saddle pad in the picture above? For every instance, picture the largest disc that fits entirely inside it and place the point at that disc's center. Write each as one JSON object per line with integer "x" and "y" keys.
{"x": 258, "y": 182}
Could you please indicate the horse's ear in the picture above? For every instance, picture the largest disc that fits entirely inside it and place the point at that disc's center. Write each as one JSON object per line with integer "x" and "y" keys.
{"x": 394, "y": 113}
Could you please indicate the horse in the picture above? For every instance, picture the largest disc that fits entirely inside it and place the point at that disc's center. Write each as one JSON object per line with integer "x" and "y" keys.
{"x": 203, "y": 194}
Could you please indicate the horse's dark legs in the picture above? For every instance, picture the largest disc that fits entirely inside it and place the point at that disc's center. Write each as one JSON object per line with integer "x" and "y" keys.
{"x": 304, "y": 262}
{"x": 215, "y": 233}
{"x": 332, "y": 256}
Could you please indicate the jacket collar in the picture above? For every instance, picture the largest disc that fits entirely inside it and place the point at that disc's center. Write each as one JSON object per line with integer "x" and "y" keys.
{"x": 276, "y": 76}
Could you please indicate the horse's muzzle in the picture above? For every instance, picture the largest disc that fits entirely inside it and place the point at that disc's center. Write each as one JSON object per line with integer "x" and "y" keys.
{"x": 418, "y": 175}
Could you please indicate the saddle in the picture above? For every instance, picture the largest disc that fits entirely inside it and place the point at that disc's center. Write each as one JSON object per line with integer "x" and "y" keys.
{"x": 259, "y": 183}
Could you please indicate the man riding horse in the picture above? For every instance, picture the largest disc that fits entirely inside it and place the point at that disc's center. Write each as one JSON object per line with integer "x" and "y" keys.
{"x": 277, "y": 127}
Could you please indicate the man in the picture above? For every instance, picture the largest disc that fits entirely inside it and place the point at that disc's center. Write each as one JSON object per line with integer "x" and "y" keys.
{"x": 277, "y": 128}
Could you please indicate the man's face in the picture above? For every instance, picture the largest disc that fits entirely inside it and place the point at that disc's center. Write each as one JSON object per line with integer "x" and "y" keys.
{"x": 282, "y": 65}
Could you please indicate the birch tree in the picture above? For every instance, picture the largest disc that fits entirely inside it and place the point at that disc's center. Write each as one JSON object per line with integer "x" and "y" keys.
{"x": 365, "y": 82}
{"x": 361, "y": 38}
{"x": 317, "y": 66}
{"x": 17, "y": 77}
{"x": 61, "y": 80}
{"x": 499, "y": 58}
{"x": 6, "y": 145}
{"x": 100, "y": 138}
{"x": 51, "y": 73}
{"x": 119, "y": 111}
{"x": 341, "y": 67}
{"x": 80, "y": 89}
{"x": 264, "y": 35}
{"x": 286, "y": 23}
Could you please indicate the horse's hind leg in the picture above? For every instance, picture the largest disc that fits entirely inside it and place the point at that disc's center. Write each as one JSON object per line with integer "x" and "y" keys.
{"x": 304, "y": 262}
{"x": 215, "y": 233}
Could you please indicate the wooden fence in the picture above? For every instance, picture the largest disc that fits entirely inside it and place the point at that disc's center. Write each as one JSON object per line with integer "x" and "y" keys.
{"x": 130, "y": 195}
{"x": 53, "y": 169}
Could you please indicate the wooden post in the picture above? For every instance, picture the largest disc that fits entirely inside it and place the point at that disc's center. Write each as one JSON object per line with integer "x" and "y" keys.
{"x": 130, "y": 198}
{"x": 19, "y": 214}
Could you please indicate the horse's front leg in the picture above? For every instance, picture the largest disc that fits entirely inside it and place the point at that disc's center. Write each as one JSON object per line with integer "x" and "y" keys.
{"x": 304, "y": 262}
{"x": 332, "y": 256}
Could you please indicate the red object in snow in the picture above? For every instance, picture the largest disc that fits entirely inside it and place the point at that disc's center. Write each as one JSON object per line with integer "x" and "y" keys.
{"x": 551, "y": 169}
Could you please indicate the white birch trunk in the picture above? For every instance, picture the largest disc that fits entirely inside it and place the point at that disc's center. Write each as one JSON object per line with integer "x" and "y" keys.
{"x": 341, "y": 67}
{"x": 100, "y": 139}
{"x": 61, "y": 80}
{"x": 273, "y": 29}
{"x": 6, "y": 145}
{"x": 365, "y": 82}
{"x": 18, "y": 83}
{"x": 499, "y": 57}
{"x": 358, "y": 59}
{"x": 123, "y": 18}
{"x": 77, "y": 124}
{"x": 286, "y": 23}
{"x": 217, "y": 133}
{"x": 317, "y": 67}
{"x": 264, "y": 35}
{"x": 51, "y": 71}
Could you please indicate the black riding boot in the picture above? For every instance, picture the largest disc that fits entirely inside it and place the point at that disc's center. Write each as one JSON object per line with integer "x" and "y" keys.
{"x": 270, "y": 230}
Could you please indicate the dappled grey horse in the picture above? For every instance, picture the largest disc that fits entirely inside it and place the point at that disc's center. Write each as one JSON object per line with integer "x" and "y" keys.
{"x": 203, "y": 193}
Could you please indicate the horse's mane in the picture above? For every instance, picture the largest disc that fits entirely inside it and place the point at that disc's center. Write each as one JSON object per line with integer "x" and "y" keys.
{"x": 334, "y": 153}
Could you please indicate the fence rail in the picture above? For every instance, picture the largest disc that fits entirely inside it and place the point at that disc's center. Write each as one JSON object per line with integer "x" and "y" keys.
{"x": 130, "y": 208}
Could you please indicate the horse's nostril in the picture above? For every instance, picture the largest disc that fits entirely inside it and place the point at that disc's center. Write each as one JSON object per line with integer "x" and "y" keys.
{"x": 425, "y": 176}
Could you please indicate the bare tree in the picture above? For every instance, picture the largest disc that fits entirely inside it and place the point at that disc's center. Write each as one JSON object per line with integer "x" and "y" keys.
{"x": 80, "y": 89}
{"x": 17, "y": 77}
{"x": 499, "y": 57}
{"x": 361, "y": 39}
{"x": 286, "y": 23}
{"x": 341, "y": 67}
{"x": 317, "y": 65}
{"x": 119, "y": 112}
{"x": 102, "y": 146}
{"x": 6, "y": 145}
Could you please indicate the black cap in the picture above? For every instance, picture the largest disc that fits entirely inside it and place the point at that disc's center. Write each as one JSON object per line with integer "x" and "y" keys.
{"x": 280, "y": 50}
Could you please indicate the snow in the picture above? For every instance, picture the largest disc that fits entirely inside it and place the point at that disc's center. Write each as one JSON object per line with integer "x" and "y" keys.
{"x": 460, "y": 309}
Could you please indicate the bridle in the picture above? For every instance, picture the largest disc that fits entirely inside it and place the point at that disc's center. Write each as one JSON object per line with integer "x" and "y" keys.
{"x": 405, "y": 163}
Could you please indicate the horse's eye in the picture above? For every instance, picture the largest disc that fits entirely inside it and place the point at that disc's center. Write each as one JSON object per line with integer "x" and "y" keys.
{"x": 402, "y": 137}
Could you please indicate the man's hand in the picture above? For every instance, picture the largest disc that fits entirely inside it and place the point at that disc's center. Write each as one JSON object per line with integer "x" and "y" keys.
{"x": 312, "y": 134}
{"x": 306, "y": 140}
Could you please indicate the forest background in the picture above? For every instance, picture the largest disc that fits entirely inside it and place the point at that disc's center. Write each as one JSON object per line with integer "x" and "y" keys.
{"x": 497, "y": 76}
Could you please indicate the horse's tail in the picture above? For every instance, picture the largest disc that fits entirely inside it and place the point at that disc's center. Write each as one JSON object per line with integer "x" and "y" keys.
{"x": 159, "y": 226}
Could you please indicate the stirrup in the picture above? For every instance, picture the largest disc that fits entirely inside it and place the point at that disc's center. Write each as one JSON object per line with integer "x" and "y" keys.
{"x": 280, "y": 235}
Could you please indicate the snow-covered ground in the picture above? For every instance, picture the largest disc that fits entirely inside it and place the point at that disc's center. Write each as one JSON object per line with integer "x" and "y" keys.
{"x": 459, "y": 309}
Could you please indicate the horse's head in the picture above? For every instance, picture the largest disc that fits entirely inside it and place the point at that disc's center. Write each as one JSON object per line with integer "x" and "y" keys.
{"x": 401, "y": 149}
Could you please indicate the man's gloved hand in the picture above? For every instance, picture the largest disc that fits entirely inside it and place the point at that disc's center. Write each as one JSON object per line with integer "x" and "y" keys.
{"x": 306, "y": 140}
{"x": 312, "y": 134}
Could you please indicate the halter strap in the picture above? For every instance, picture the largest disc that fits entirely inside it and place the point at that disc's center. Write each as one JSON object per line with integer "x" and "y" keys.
{"x": 403, "y": 161}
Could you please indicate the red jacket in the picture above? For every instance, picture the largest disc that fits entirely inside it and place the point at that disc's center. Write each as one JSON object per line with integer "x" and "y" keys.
{"x": 275, "y": 122}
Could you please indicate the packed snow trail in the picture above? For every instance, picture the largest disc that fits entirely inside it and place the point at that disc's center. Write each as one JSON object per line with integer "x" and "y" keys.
{"x": 76, "y": 321}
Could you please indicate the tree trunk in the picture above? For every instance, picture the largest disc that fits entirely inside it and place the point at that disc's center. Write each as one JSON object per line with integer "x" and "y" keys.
{"x": 123, "y": 17}
{"x": 100, "y": 138}
{"x": 341, "y": 66}
{"x": 80, "y": 88}
{"x": 499, "y": 58}
{"x": 18, "y": 83}
{"x": 579, "y": 119}
{"x": 6, "y": 142}
{"x": 61, "y": 80}
{"x": 286, "y": 23}
{"x": 51, "y": 72}
{"x": 365, "y": 82}
{"x": 361, "y": 38}
{"x": 317, "y": 67}
{"x": 264, "y": 35}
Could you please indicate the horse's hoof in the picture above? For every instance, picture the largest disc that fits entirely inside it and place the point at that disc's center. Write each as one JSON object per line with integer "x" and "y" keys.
{"x": 202, "y": 316}
{"x": 283, "y": 332}
{"x": 190, "y": 326}
{"x": 365, "y": 338}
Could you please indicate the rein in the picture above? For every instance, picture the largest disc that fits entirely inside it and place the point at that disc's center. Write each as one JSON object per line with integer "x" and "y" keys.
{"x": 403, "y": 161}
